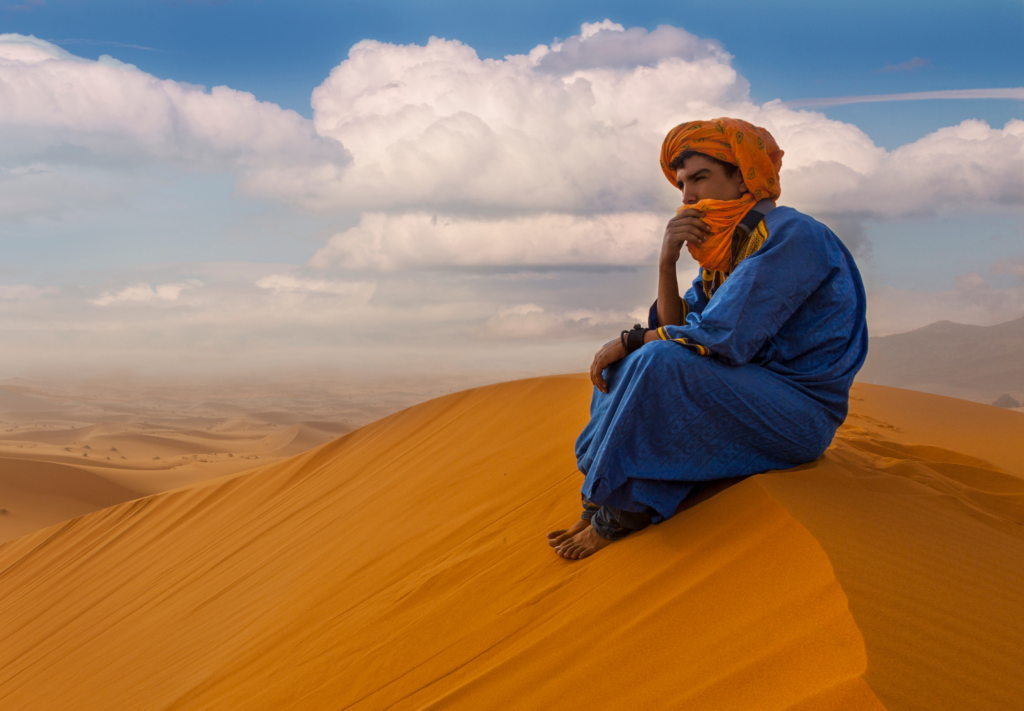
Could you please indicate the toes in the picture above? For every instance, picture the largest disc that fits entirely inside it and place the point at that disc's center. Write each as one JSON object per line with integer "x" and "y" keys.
{"x": 566, "y": 549}
{"x": 555, "y": 538}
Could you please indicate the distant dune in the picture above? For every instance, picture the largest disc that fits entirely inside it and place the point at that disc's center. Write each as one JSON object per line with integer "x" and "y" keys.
{"x": 58, "y": 461}
{"x": 16, "y": 402}
{"x": 977, "y": 363}
{"x": 404, "y": 566}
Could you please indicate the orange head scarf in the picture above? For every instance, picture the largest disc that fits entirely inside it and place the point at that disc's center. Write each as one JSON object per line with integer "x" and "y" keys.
{"x": 733, "y": 141}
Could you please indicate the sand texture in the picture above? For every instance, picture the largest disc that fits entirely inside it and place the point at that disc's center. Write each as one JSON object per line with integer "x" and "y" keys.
{"x": 404, "y": 566}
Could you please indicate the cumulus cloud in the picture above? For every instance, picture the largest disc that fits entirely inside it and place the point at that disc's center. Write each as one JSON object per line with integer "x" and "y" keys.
{"x": 609, "y": 45}
{"x": 574, "y": 129}
{"x": 561, "y": 135}
{"x": 146, "y": 294}
{"x": 452, "y": 168}
{"x": 436, "y": 127}
{"x": 967, "y": 165}
{"x": 420, "y": 240}
{"x": 53, "y": 101}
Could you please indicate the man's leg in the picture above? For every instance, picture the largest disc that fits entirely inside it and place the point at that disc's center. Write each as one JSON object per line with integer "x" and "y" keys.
{"x": 674, "y": 421}
{"x": 607, "y": 525}
{"x": 556, "y": 538}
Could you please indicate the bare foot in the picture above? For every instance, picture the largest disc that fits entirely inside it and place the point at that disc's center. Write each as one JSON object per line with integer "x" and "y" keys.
{"x": 556, "y": 538}
{"x": 583, "y": 544}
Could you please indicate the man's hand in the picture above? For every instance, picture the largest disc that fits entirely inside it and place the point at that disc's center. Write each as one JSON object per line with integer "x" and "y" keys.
{"x": 687, "y": 226}
{"x": 611, "y": 352}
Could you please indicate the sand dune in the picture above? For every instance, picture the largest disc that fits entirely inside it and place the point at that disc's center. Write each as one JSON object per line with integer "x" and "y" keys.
{"x": 958, "y": 360}
{"x": 35, "y": 493}
{"x": 403, "y": 566}
{"x": 11, "y": 401}
{"x": 126, "y": 450}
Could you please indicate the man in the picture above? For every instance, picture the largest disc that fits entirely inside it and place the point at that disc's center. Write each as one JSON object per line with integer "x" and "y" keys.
{"x": 750, "y": 370}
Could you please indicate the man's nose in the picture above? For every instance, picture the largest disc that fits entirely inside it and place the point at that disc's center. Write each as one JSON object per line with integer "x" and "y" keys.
{"x": 689, "y": 198}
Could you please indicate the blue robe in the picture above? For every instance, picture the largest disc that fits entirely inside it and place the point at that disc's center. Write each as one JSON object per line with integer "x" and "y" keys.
{"x": 787, "y": 334}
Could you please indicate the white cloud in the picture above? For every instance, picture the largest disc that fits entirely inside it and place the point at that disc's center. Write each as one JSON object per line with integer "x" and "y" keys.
{"x": 609, "y": 45}
{"x": 475, "y": 186}
{"x": 146, "y": 294}
{"x": 437, "y": 128}
{"x": 574, "y": 129}
{"x": 404, "y": 132}
{"x": 361, "y": 291}
{"x": 53, "y": 101}
{"x": 965, "y": 166}
{"x": 533, "y": 321}
{"x": 420, "y": 240}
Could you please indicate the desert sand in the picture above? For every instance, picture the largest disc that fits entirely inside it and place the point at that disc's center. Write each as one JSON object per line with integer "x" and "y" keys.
{"x": 404, "y": 566}
{"x": 71, "y": 447}
{"x": 56, "y": 465}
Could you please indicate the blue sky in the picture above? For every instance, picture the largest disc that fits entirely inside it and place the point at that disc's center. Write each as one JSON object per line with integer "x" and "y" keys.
{"x": 134, "y": 219}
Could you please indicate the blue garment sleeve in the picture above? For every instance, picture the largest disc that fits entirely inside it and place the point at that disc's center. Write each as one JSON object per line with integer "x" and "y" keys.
{"x": 694, "y": 299}
{"x": 760, "y": 295}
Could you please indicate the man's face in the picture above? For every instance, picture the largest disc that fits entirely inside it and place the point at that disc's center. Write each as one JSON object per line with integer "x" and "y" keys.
{"x": 701, "y": 178}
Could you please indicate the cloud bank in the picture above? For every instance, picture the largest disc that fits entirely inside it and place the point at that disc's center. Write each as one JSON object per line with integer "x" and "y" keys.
{"x": 548, "y": 157}
{"x": 508, "y": 177}
{"x": 572, "y": 130}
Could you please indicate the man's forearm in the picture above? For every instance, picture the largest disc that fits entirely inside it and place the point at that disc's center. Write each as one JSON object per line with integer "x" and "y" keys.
{"x": 670, "y": 311}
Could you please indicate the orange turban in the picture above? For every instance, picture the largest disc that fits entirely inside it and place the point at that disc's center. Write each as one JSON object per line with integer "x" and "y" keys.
{"x": 733, "y": 141}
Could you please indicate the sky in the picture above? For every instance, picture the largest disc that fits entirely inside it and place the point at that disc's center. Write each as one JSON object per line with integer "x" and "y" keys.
{"x": 455, "y": 187}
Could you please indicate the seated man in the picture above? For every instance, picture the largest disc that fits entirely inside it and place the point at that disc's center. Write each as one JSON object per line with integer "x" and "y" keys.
{"x": 749, "y": 371}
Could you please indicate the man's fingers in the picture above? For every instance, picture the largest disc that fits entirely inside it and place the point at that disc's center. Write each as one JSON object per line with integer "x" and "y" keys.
{"x": 595, "y": 374}
{"x": 597, "y": 377}
{"x": 686, "y": 234}
{"x": 695, "y": 218}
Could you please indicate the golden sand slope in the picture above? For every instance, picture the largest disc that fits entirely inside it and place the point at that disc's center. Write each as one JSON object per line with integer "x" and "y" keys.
{"x": 403, "y": 566}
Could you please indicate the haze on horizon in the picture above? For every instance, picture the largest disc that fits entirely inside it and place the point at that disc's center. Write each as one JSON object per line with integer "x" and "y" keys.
{"x": 440, "y": 211}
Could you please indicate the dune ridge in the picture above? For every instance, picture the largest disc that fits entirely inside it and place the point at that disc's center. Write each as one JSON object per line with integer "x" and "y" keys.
{"x": 403, "y": 566}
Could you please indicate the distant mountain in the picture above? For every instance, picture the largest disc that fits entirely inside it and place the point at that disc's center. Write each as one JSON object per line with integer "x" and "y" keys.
{"x": 978, "y": 363}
